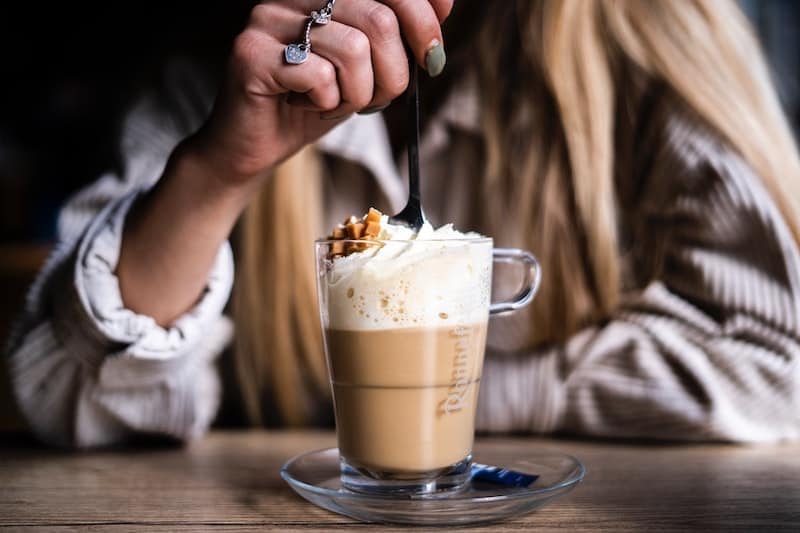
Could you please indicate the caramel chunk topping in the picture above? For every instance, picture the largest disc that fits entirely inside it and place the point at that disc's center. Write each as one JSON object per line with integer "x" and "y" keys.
{"x": 374, "y": 215}
{"x": 373, "y": 228}
{"x": 355, "y": 231}
{"x": 366, "y": 228}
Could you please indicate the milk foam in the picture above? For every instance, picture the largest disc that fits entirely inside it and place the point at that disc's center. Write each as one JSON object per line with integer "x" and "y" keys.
{"x": 433, "y": 278}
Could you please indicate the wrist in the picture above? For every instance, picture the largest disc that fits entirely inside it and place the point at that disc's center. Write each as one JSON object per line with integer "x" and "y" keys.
{"x": 210, "y": 180}
{"x": 173, "y": 234}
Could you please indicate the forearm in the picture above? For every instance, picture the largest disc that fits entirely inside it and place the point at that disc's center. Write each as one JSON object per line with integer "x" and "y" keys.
{"x": 173, "y": 235}
{"x": 656, "y": 372}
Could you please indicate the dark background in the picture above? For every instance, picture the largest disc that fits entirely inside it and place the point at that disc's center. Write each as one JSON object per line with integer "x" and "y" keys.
{"x": 69, "y": 71}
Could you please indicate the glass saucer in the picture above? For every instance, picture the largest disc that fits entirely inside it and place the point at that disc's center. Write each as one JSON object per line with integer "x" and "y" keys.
{"x": 315, "y": 477}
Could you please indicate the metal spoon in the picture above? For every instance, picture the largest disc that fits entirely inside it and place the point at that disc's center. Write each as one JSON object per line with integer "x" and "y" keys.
{"x": 412, "y": 214}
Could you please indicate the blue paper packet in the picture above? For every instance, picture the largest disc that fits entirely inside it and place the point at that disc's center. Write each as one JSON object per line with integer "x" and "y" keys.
{"x": 502, "y": 476}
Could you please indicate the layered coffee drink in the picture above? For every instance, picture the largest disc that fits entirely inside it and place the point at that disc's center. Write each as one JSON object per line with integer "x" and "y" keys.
{"x": 399, "y": 408}
{"x": 405, "y": 320}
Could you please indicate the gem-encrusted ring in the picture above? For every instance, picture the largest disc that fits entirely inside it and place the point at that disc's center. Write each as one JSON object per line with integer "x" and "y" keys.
{"x": 297, "y": 53}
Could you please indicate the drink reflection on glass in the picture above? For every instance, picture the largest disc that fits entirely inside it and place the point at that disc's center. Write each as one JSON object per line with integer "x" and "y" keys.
{"x": 405, "y": 331}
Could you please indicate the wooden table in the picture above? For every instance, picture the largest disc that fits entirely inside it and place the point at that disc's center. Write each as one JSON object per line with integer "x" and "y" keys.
{"x": 230, "y": 482}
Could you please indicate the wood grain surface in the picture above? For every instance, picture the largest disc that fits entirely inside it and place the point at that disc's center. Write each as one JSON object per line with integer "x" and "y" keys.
{"x": 229, "y": 481}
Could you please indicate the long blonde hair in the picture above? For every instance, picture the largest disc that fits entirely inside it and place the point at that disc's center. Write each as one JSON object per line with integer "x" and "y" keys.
{"x": 565, "y": 56}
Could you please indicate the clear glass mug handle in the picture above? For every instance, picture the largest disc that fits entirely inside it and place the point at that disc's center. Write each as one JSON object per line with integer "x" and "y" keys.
{"x": 530, "y": 285}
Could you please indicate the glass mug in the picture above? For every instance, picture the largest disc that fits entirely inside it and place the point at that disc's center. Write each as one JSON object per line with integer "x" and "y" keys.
{"x": 404, "y": 325}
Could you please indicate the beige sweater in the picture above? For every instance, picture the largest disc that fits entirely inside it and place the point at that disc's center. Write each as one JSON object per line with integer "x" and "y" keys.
{"x": 706, "y": 346}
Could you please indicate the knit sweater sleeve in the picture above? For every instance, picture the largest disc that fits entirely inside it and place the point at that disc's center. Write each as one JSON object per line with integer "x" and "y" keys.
{"x": 87, "y": 371}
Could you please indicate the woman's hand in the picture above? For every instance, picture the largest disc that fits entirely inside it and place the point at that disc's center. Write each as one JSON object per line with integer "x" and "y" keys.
{"x": 268, "y": 109}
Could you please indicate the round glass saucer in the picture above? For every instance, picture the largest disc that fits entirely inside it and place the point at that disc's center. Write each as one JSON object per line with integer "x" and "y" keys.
{"x": 315, "y": 477}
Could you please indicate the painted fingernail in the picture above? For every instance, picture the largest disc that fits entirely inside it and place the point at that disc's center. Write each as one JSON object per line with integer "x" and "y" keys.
{"x": 435, "y": 59}
{"x": 373, "y": 109}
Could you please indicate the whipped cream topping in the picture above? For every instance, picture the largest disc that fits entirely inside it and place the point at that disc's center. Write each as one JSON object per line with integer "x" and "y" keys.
{"x": 426, "y": 232}
{"x": 437, "y": 277}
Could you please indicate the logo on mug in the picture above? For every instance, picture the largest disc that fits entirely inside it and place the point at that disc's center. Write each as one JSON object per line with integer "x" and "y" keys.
{"x": 460, "y": 377}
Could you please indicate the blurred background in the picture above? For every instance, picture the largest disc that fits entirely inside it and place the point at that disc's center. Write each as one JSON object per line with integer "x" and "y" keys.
{"x": 70, "y": 70}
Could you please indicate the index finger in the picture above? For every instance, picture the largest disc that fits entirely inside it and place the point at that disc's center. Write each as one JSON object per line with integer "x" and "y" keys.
{"x": 420, "y": 23}
{"x": 442, "y": 8}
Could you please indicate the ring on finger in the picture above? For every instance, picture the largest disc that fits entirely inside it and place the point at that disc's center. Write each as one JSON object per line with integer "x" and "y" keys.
{"x": 297, "y": 53}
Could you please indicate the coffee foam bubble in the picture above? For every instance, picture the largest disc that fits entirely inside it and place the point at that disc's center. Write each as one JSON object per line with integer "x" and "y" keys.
{"x": 411, "y": 280}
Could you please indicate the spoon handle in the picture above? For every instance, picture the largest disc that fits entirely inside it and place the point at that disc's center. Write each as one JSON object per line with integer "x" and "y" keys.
{"x": 412, "y": 215}
{"x": 413, "y": 138}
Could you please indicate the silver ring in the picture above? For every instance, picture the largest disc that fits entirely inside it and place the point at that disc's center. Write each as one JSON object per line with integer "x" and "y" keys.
{"x": 297, "y": 53}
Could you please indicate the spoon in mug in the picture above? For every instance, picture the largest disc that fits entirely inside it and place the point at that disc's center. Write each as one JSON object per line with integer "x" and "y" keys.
{"x": 412, "y": 215}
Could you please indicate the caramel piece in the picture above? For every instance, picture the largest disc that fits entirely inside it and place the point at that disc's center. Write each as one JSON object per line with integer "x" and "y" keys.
{"x": 366, "y": 228}
{"x": 352, "y": 247}
{"x": 373, "y": 228}
{"x": 355, "y": 230}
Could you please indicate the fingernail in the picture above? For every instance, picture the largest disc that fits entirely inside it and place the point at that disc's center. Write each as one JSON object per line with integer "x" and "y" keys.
{"x": 326, "y": 116}
{"x": 373, "y": 110}
{"x": 435, "y": 59}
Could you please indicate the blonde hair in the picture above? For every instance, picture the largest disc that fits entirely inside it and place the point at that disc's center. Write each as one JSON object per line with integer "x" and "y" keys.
{"x": 560, "y": 188}
{"x": 278, "y": 342}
